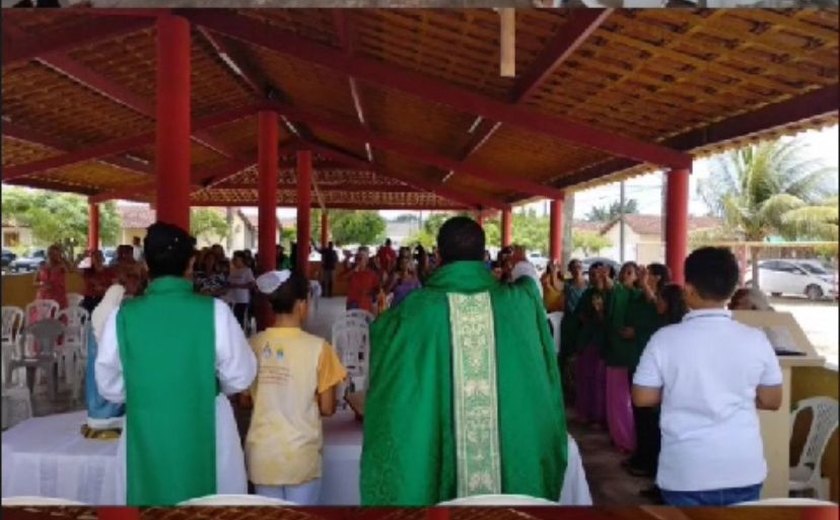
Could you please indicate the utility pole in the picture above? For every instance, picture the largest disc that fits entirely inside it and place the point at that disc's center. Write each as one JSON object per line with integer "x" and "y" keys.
{"x": 621, "y": 223}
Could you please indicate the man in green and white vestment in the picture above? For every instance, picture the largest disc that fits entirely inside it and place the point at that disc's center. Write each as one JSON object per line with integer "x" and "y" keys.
{"x": 464, "y": 396}
{"x": 171, "y": 356}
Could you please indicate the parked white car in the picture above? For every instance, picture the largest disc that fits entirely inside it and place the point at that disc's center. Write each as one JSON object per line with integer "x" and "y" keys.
{"x": 538, "y": 261}
{"x": 795, "y": 278}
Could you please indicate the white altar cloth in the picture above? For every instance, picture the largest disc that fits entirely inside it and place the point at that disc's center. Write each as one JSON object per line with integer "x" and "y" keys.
{"x": 47, "y": 456}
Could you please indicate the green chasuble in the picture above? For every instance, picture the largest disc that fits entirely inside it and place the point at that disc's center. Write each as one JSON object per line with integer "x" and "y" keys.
{"x": 464, "y": 394}
{"x": 167, "y": 349}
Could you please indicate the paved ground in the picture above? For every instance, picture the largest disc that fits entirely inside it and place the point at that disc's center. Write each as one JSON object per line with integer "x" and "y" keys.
{"x": 819, "y": 321}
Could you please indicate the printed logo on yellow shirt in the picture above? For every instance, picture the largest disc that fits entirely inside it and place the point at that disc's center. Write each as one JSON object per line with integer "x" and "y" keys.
{"x": 280, "y": 354}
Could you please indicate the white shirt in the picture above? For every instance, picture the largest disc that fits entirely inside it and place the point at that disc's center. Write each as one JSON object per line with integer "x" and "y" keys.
{"x": 239, "y": 277}
{"x": 236, "y": 368}
{"x": 525, "y": 268}
{"x": 709, "y": 367}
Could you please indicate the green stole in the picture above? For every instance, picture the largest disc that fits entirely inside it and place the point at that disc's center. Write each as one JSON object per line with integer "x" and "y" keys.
{"x": 432, "y": 365}
{"x": 620, "y": 352}
{"x": 167, "y": 348}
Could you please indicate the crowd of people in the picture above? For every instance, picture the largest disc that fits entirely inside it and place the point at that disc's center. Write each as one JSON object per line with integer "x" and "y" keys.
{"x": 462, "y": 368}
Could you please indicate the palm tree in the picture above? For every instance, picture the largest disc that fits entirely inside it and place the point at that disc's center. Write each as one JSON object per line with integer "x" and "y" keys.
{"x": 771, "y": 188}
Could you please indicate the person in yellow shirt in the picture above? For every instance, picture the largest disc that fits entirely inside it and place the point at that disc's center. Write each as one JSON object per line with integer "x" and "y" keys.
{"x": 295, "y": 386}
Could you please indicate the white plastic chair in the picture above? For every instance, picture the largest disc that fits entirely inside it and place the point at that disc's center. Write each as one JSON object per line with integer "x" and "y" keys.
{"x": 74, "y": 341}
{"x": 351, "y": 340}
{"x": 40, "y": 310}
{"x": 74, "y": 299}
{"x": 13, "y": 319}
{"x": 361, "y": 314}
{"x": 236, "y": 500}
{"x": 44, "y": 334}
{"x": 498, "y": 500}
{"x": 38, "y": 501}
{"x": 807, "y": 474}
{"x": 556, "y": 318}
{"x": 789, "y": 502}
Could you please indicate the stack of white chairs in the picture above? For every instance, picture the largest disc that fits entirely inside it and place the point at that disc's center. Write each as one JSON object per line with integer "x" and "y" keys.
{"x": 73, "y": 349}
{"x": 36, "y": 311}
{"x": 17, "y": 401}
{"x": 360, "y": 314}
{"x": 351, "y": 340}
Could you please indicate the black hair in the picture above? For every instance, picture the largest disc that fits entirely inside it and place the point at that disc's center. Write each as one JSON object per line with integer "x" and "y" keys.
{"x": 713, "y": 272}
{"x": 626, "y": 267}
{"x": 572, "y": 262}
{"x": 241, "y": 255}
{"x": 461, "y": 239}
{"x": 295, "y": 289}
{"x": 167, "y": 249}
{"x": 594, "y": 266}
{"x": 675, "y": 307}
{"x": 663, "y": 272}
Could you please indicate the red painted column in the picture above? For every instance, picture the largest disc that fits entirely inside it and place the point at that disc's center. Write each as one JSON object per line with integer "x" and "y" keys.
{"x": 304, "y": 209}
{"x": 325, "y": 228}
{"x": 507, "y": 227}
{"x": 172, "y": 148}
{"x": 93, "y": 226}
{"x": 676, "y": 223}
{"x": 268, "y": 139}
{"x": 555, "y": 233}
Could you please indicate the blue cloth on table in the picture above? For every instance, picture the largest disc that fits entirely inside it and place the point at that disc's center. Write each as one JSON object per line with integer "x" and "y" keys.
{"x": 97, "y": 406}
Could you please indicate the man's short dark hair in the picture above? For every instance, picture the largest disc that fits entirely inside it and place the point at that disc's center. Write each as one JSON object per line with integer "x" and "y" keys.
{"x": 295, "y": 289}
{"x": 461, "y": 239}
{"x": 167, "y": 249}
{"x": 713, "y": 272}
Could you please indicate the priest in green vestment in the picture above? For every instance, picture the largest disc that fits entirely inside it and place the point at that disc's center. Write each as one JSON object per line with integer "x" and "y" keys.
{"x": 464, "y": 396}
{"x": 170, "y": 356}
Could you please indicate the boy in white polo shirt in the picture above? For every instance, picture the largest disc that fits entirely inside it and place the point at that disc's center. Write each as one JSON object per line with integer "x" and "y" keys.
{"x": 710, "y": 374}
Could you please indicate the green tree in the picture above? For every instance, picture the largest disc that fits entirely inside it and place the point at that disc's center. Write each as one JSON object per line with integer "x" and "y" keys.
{"x": 772, "y": 188}
{"x": 589, "y": 242}
{"x": 208, "y": 224}
{"x": 611, "y": 212}
{"x": 58, "y": 217}
{"x": 357, "y": 227}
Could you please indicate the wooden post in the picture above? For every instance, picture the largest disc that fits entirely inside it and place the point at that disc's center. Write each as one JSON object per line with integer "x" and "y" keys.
{"x": 507, "y": 39}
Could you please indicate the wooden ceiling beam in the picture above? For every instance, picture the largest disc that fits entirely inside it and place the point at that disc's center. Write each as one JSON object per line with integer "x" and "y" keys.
{"x": 581, "y": 23}
{"x": 342, "y": 205}
{"x": 346, "y": 37}
{"x": 355, "y": 131}
{"x": 471, "y": 200}
{"x": 433, "y": 89}
{"x": 28, "y": 135}
{"x": 65, "y": 39}
{"x": 119, "y": 145}
{"x": 92, "y": 80}
{"x": 813, "y": 104}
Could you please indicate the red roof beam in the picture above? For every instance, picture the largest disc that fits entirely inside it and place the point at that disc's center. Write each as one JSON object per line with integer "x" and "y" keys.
{"x": 65, "y": 39}
{"x": 581, "y": 23}
{"x": 15, "y": 131}
{"x": 327, "y": 188}
{"x": 341, "y": 205}
{"x": 117, "y": 146}
{"x": 435, "y": 90}
{"x": 472, "y": 200}
{"x": 354, "y": 131}
{"x": 91, "y": 79}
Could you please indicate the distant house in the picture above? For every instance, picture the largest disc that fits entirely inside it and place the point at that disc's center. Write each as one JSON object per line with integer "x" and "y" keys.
{"x": 243, "y": 232}
{"x": 16, "y": 236}
{"x": 644, "y": 240}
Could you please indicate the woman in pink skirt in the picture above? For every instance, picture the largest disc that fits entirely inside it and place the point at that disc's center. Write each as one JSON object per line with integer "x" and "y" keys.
{"x": 590, "y": 385}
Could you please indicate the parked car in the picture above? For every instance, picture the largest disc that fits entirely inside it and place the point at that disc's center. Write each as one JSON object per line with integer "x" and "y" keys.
{"x": 586, "y": 262}
{"x": 29, "y": 262}
{"x": 539, "y": 261}
{"x": 7, "y": 258}
{"x": 795, "y": 278}
{"x": 110, "y": 255}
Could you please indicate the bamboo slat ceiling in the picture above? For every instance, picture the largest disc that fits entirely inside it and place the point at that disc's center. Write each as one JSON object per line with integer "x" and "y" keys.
{"x": 398, "y": 103}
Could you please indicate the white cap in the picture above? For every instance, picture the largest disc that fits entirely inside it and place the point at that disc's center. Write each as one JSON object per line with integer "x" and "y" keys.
{"x": 268, "y": 282}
